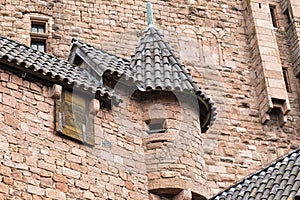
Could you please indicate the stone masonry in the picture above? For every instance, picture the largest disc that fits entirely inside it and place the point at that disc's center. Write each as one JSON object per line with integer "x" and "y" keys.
{"x": 223, "y": 45}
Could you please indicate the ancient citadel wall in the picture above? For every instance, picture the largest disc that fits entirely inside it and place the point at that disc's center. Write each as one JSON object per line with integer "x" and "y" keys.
{"x": 211, "y": 39}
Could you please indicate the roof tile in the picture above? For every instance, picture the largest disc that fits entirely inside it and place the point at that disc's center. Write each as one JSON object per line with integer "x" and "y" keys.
{"x": 276, "y": 181}
{"x": 47, "y": 65}
{"x": 103, "y": 61}
{"x": 155, "y": 66}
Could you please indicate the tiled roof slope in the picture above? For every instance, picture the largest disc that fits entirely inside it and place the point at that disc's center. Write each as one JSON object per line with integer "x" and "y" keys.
{"x": 280, "y": 180}
{"x": 102, "y": 61}
{"x": 155, "y": 66}
{"x": 48, "y": 66}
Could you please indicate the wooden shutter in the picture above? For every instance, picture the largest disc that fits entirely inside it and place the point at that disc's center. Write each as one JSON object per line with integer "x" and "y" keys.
{"x": 73, "y": 118}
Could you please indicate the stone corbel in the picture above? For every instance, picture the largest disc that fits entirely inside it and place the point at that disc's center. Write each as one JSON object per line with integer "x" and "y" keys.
{"x": 94, "y": 106}
{"x": 56, "y": 91}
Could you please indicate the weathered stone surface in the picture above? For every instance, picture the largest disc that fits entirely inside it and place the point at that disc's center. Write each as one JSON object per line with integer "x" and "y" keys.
{"x": 217, "y": 46}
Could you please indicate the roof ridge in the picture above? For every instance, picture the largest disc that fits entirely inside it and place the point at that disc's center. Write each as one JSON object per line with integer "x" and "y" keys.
{"x": 74, "y": 40}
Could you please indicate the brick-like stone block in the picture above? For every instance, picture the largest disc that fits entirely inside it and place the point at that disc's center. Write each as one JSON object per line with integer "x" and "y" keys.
{"x": 32, "y": 189}
{"x": 88, "y": 195}
{"x": 61, "y": 186}
{"x": 55, "y": 194}
{"x": 4, "y": 188}
{"x": 71, "y": 173}
{"x": 47, "y": 166}
{"x": 6, "y": 171}
{"x": 82, "y": 184}
{"x": 168, "y": 174}
{"x": 78, "y": 152}
{"x": 73, "y": 158}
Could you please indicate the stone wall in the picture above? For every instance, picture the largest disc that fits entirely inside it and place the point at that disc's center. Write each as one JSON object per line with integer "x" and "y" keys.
{"x": 208, "y": 36}
{"x": 37, "y": 163}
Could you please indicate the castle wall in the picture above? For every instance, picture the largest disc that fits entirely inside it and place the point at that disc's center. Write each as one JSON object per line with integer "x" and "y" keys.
{"x": 212, "y": 41}
{"x": 38, "y": 163}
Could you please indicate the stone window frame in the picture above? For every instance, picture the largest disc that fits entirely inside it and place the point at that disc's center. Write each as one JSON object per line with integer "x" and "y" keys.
{"x": 39, "y": 37}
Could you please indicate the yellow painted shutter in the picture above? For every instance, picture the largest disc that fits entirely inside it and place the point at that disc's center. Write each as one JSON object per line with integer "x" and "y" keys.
{"x": 73, "y": 118}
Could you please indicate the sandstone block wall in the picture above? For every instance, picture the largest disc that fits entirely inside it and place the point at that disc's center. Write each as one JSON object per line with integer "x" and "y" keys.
{"x": 212, "y": 41}
{"x": 37, "y": 163}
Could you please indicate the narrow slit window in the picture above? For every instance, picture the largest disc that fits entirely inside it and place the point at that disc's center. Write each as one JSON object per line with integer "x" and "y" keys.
{"x": 156, "y": 126}
{"x": 273, "y": 15}
{"x": 286, "y": 80}
{"x": 287, "y": 15}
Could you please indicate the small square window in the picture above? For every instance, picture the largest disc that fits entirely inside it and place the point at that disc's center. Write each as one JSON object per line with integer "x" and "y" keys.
{"x": 156, "y": 126}
{"x": 38, "y": 45}
{"x": 38, "y": 28}
{"x": 39, "y": 34}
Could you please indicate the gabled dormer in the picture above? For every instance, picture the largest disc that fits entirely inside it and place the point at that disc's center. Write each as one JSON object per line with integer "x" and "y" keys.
{"x": 103, "y": 66}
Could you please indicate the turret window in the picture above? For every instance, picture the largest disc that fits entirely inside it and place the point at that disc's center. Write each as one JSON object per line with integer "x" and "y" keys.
{"x": 288, "y": 15}
{"x": 156, "y": 126}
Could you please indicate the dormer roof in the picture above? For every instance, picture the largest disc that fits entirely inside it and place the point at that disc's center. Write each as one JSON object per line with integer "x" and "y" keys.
{"x": 100, "y": 60}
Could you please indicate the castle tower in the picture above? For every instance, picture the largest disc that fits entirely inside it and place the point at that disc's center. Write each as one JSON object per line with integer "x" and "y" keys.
{"x": 176, "y": 112}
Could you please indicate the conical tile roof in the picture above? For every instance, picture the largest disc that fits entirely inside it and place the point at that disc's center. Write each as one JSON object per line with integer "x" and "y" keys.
{"x": 155, "y": 66}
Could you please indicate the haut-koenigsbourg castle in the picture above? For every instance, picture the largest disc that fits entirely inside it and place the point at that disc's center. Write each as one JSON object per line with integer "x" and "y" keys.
{"x": 160, "y": 100}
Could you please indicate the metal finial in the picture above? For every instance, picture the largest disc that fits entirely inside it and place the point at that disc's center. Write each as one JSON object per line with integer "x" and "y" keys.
{"x": 150, "y": 14}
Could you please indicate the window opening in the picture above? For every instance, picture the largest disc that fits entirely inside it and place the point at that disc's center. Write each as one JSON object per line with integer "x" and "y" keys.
{"x": 38, "y": 28}
{"x": 38, "y": 45}
{"x": 156, "y": 126}
{"x": 273, "y": 15}
{"x": 39, "y": 34}
{"x": 288, "y": 16}
{"x": 286, "y": 80}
